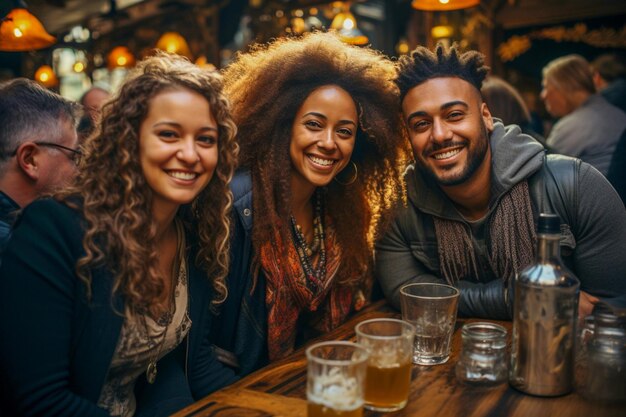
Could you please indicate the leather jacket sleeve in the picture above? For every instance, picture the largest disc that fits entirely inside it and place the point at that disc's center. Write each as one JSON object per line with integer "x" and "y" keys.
{"x": 397, "y": 265}
{"x": 489, "y": 300}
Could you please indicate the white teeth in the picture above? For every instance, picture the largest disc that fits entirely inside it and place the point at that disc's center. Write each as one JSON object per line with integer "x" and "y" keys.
{"x": 447, "y": 154}
{"x": 321, "y": 161}
{"x": 182, "y": 175}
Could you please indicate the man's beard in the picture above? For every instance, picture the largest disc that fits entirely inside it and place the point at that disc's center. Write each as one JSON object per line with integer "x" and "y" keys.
{"x": 474, "y": 159}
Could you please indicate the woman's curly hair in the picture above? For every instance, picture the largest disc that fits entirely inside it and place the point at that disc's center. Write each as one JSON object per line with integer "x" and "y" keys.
{"x": 423, "y": 64}
{"x": 116, "y": 200}
{"x": 268, "y": 85}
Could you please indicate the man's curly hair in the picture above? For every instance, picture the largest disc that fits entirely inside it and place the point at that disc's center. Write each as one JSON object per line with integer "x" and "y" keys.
{"x": 268, "y": 85}
{"x": 423, "y": 64}
{"x": 116, "y": 201}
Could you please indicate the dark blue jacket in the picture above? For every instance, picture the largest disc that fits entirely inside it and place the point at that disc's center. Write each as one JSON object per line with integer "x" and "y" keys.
{"x": 56, "y": 347}
{"x": 241, "y": 327}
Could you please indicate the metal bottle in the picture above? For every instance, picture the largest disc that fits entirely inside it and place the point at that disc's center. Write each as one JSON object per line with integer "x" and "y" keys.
{"x": 545, "y": 311}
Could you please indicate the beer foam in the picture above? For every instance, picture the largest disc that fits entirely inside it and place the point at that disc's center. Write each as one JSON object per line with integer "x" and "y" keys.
{"x": 335, "y": 390}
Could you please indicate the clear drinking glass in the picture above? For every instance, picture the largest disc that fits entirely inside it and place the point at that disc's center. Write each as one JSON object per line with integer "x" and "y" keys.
{"x": 431, "y": 308}
{"x": 601, "y": 357}
{"x": 335, "y": 379}
{"x": 390, "y": 345}
{"x": 483, "y": 357}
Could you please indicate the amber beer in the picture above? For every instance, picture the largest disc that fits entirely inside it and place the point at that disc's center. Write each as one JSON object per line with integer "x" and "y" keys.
{"x": 388, "y": 373}
{"x": 321, "y": 410}
{"x": 388, "y": 388}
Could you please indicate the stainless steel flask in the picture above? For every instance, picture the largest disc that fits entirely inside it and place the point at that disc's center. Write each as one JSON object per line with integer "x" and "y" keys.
{"x": 545, "y": 311}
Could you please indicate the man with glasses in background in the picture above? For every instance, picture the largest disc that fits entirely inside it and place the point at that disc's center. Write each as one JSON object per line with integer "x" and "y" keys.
{"x": 38, "y": 146}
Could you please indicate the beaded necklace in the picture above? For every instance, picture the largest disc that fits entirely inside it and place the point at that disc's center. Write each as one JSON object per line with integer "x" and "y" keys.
{"x": 179, "y": 271}
{"x": 314, "y": 276}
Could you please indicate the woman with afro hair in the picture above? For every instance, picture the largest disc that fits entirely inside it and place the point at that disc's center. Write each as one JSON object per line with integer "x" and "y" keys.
{"x": 321, "y": 153}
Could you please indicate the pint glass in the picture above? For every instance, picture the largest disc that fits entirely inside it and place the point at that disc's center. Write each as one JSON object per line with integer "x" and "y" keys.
{"x": 335, "y": 379}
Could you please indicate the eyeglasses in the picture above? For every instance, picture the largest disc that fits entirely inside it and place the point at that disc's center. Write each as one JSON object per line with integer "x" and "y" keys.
{"x": 75, "y": 155}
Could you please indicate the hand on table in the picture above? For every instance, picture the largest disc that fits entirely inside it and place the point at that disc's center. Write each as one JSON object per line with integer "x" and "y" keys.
{"x": 586, "y": 303}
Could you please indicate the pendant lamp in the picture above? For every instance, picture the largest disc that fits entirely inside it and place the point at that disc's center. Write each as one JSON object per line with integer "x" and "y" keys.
{"x": 443, "y": 5}
{"x": 174, "y": 43}
{"x": 345, "y": 25}
{"x": 21, "y": 31}
{"x": 120, "y": 57}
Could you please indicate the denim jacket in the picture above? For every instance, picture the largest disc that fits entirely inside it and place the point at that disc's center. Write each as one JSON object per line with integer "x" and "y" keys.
{"x": 241, "y": 326}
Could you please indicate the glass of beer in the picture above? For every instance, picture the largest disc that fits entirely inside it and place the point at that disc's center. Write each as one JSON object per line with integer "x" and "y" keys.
{"x": 335, "y": 379}
{"x": 432, "y": 309}
{"x": 390, "y": 344}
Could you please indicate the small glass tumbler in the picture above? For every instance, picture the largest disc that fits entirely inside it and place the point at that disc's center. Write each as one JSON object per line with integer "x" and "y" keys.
{"x": 601, "y": 357}
{"x": 335, "y": 379}
{"x": 432, "y": 309}
{"x": 390, "y": 345}
{"x": 483, "y": 357}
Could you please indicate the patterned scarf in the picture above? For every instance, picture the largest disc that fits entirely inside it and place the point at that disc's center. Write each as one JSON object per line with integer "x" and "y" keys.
{"x": 511, "y": 244}
{"x": 289, "y": 294}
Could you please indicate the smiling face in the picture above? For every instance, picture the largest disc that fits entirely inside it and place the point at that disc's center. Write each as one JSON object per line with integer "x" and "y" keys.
{"x": 322, "y": 137}
{"x": 178, "y": 148}
{"x": 448, "y": 125}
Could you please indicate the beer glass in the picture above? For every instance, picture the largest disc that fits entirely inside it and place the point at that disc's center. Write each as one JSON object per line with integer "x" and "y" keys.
{"x": 390, "y": 345}
{"x": 431, "y": 308}
{"x": 335, "y": 379}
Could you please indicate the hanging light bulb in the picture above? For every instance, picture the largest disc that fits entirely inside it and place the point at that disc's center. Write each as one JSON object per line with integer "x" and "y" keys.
{"x": 402, "y": 47}
{"x": 344, "y": 23}
{"x": 120, "y": 57}
{"x": 21, "y": 31}
{"x": 174, "y": 43}
{"x": 442, "y": 31}
{"x": 46, "y": 76}
{"x": 443, "y": 5}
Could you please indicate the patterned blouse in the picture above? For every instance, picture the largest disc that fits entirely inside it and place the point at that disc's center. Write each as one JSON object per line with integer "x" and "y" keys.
{"x": 143, "y": 340}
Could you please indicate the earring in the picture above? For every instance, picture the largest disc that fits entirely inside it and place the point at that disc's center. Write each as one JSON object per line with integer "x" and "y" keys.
{"x": 352, "y": 178}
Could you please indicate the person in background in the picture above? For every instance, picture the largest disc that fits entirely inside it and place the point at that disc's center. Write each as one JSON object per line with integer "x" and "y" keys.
{"x": 476, "y": 190}
{"x": 505, "y": 103}
{"x": 92, "y": 101}
{"x": 589, "y": 126}
{"x": 609, "y": 77}
{"x": 102, "y": 284}
{"x": 38, "y": 146}
{"x": 321, "y": 142}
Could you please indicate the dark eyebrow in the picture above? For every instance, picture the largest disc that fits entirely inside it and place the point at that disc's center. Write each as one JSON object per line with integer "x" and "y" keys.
{"x": 177, "y": 125}
{"x": 321, "y": 116}
{"x": 454, "y": 103}
{"x": 347, "y": 122}
{"x": 167, "y": 123}
{"x": 312, "y": 113}
{"x": 444, "y": 106}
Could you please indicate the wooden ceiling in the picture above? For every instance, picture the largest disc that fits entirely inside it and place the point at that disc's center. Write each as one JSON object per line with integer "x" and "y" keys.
{"x": 60, "y": 15}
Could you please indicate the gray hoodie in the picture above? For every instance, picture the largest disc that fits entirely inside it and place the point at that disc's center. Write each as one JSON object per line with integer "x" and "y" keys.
{"x": 593, "y": 242}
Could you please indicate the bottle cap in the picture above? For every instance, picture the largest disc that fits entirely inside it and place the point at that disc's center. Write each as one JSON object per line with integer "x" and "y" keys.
{"x": 549, "y": 223}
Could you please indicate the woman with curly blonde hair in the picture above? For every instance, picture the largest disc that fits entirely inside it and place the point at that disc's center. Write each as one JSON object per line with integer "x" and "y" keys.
{"x": 321, "y": 145}
{"x": 120, "y": 268}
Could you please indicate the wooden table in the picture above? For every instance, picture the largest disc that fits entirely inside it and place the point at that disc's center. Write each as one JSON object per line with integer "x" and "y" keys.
{"x": 280, "y": 389}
